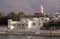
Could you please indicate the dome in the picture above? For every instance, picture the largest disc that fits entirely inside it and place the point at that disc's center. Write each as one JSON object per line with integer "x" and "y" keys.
{"x": 35, "y": 18}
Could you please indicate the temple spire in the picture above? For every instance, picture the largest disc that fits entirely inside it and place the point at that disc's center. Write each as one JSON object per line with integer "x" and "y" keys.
{"x": 42, "y": 9}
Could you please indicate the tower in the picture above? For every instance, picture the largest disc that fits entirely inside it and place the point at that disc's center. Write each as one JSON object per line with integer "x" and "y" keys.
{"x": 42, "y": 9}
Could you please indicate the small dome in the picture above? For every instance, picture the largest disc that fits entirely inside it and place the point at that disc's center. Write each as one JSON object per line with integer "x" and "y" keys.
{"x": 40, "y": 18}
{"x": 35, "y": 18}
{"x": 9, "y": 20}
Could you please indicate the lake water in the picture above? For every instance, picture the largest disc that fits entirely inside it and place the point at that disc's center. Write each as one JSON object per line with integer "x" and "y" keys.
{"x": 25, "y": 37}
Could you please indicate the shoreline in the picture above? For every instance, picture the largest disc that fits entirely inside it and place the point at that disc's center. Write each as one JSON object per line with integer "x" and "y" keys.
{"x": 30, "y": 34}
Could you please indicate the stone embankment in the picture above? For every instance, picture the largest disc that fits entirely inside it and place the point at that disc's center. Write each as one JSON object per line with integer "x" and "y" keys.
{"x": 30, "y": 34}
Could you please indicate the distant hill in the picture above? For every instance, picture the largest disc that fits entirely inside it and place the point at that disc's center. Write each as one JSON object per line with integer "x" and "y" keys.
{"x": 29, "y": 6}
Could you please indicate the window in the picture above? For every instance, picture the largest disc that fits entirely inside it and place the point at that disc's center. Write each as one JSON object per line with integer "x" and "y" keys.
{"x": 23, "y": 26}
{"x": 33, "y": 24}
{"x": 45, "y": 20}
{"x": 42, "y": 18}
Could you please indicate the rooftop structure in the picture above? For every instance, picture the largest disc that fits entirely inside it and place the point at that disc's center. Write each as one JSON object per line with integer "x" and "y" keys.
{"x": 42, "y": 9}
{"x": 41, "y": 13}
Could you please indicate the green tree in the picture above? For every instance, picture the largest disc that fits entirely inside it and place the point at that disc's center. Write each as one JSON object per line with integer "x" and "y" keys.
{"x": 1, "y": 15}
{"x": 12, "y": 16}
{"x": 46, "y": 25}
{"x": 3, "y": 19}
{"x": 52, "y": 23}
{"x": 20, "y": 15}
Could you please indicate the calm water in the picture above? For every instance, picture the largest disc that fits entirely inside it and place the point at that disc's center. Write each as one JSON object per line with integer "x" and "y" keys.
{"x": 25, "y": 37}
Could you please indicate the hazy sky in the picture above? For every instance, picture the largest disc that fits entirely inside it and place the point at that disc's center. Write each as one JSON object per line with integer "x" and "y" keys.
{"x": 29, "y": 6}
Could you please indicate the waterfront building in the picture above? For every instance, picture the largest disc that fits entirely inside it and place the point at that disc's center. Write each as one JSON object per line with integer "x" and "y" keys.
{"x": 26, "y": 24}
{"x": 29, "y": 22}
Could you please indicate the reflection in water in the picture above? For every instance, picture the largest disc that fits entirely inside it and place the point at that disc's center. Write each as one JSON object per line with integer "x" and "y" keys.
{"x": 29, "y": 37}
{"x": 11, "y": 37}
{"x": 25, "y": 37}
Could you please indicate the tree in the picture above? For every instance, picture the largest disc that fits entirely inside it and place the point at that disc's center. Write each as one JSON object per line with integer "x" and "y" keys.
{"x": 52, "y": 23}
{"x": 3, "y": 19}
{"x": 20, "y": 15}
{"x": 46, "y": 25}
{"x": 12, "y": 16}
{"x": 1, "y": 16}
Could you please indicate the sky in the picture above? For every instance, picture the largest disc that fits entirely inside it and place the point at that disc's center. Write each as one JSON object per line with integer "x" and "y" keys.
{"x": 29, "y": 6}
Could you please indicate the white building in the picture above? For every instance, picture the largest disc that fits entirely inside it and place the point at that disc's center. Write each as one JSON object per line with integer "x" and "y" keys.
{"x": 26, "y": 24}
{"x": 56, "y": 16}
